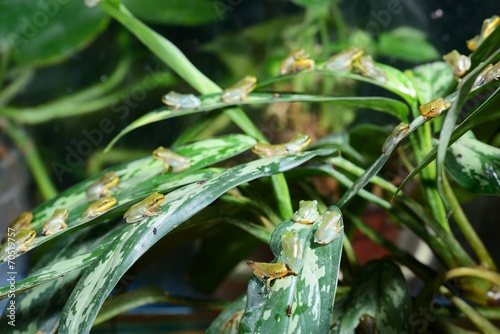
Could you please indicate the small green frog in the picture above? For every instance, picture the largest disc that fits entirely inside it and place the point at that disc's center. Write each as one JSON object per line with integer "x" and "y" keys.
{"x": 56, "y": 222}
{"x": 434, "y": 108}
{"x": 171, "y": 159}
{"x": 343, "y": 61}
{"x": 22, "y": 221}
{"x": 397, "y": 134}
{"x": 271, "y": 271}
{"x": 298, "y": 61}
{"x": 488, "y": 26}
{"x": 239, "y": 92}
{"x": 369, "y": 69}
{"x": 102, "y": 187}
{"x": 99, "y": 207}
{"x": 460, "y": 64}
{"x": 181, "y": 101}
{"x": 328, "y": 227}
{"x": 20, "y": 243}
{"x": 298, "y": 143}
{"x": 270, "y": 150}
{"x": 307, "y": 212}
{"x": 145, "y": 208}
{"x": 291, "y": 254}
{"x": 490, "y": 73}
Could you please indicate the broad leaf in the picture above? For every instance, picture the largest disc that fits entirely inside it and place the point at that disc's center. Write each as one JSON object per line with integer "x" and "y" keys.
{"x": 408, "y": 44}
{"x": 296, "y": 304}
{"x": 474, "y": 165}
{"x": 42, "y": 34}
{"x": 137, "y": 180}
{"x": 432, "y": 80}
{"x": 99, "y": 279}
{"x": 379, "y": 294}
{"x": 212, "y": 102}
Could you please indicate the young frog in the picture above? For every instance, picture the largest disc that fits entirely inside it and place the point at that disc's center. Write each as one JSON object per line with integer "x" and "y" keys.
{"x": 98, "y": 208}
{"x": 270, "y": 150}
{"x": 397, "y": 134}
{"x": 56, "y": 222}
{"x": 239, "y": 92}
{"x": 307, "y": 212}
{"x": 490, "y": 72}
{"x": 342, "y": 61}
{"x": 20, "y": 243}
{"x": 459, "y": 63}
{"x": 298, "y": 143}
{"x": 171, "y": 159}
{"x": 271, "y": 271}
{"x": 291, "y": 254}
{"x": 488, "y": 26}
{"x": 145, "y": 208}
{"x": 298, "y": 61}
{"x": 369, "y": 69}
{"x": 434, "y": 108}
{"x": 181, "y": 101}
{"x": 102, "y": 187}
{"x": 328, "y": 227}
{"x": 22, "y": 221}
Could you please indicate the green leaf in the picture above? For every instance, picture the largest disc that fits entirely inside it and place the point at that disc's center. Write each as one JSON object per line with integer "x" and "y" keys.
{"x": 474, "y": 165}
{"x": 40, "y": 307}
{"x": 99, "y": 279}
{"x": 40, "y": 33}
{"x": 175, "y": 12}
{"x": 432, "y": 80}
{"x": 211, "y": 102}
{"x": 296, "y": 304}
{"x": 137, "y": 180}
{"x": 450, "y": 122}
{"x": 379, "y": 291}
{"x": 308, "y": 3}
{"x": 228, "y": 321}
{"x": 408, "y": 44}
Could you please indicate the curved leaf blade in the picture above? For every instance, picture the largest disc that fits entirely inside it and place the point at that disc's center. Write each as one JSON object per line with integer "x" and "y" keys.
{"x": 379, "y": 291}
{"x": 474, "y": 165}
{"x": 89, "y": 294}
{"x": 296, "y": 304}
{"x": 212, "y": 102}
{"x": 137, "y": 180}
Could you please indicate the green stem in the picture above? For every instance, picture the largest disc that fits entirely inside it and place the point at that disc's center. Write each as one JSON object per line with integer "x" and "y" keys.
{"x": 477, "y": 319}
{"x": 351, "y": 255}
{"x": 282, "y": 194}
{"x": 177, "y": 61}
{"x": 467, "y": 230}
{"x": 339, "y": 23}
{"x": 486, "y": 274}
{"x": 26, "y": 145}
{"x": 21, "y": 81}
{"x": 4, "y": 62}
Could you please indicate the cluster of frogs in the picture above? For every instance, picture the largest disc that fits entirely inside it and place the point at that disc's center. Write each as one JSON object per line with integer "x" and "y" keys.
{"x": 329, "y": 228}
{"x": 99, "y": 192}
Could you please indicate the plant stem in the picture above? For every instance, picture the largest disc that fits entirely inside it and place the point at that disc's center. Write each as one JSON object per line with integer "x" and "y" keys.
{"x": 467, "y": 230}
{"x": 27, "y": 146}
{"x": 21, "y": 81}
{"x": 349, "y": 252}
{"x": 477, "y": 319}
{"x": 486, "y": 274}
